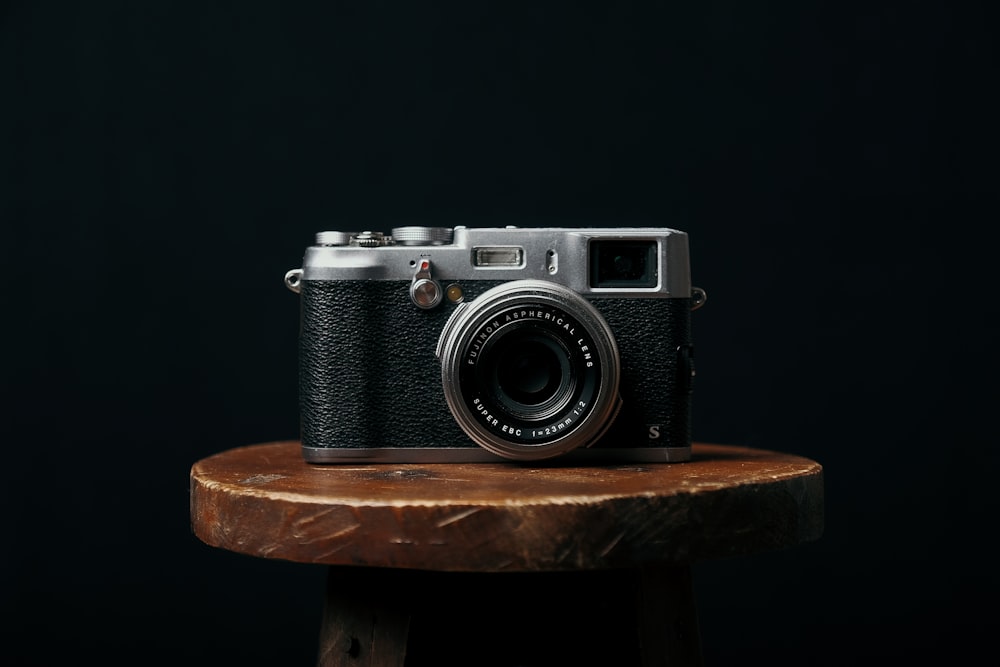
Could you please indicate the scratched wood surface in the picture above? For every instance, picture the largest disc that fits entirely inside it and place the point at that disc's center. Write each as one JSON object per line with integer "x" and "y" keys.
{"x": 264, "y": 500}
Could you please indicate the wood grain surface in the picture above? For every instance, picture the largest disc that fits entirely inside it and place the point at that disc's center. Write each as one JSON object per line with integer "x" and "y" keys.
{"x": 265, "y": 500}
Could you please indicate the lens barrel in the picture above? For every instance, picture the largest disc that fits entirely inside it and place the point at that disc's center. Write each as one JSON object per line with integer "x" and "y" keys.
{"x": 530, "y": 370}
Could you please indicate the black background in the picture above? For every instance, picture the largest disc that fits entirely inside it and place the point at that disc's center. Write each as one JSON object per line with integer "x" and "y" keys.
{"x": 163, "y": 164}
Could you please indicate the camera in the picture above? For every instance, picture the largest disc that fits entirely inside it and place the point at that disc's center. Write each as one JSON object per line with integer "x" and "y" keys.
{"x": 459, "y": 344}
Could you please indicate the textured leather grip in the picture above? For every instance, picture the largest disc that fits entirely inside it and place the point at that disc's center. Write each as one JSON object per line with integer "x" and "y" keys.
{"x": 369, "y": 378}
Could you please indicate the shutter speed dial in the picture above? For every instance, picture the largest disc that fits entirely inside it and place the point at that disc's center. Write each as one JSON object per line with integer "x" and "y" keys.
{"x": 422, "y": 235}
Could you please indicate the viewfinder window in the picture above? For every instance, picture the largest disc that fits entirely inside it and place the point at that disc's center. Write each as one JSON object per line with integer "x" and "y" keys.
{"x": 623, "y": 263}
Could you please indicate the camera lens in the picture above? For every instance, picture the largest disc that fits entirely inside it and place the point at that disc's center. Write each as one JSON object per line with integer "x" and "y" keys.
{"x": 530, "y": 370}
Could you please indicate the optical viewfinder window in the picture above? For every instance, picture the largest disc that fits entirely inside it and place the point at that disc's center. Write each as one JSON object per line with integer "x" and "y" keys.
{"x": 623, "y": 263}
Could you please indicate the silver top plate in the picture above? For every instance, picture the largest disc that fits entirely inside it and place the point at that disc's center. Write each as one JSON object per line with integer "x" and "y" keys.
{"x": 558, "y": 254}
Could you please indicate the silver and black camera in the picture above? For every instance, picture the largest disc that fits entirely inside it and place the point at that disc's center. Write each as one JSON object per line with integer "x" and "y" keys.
{"x": 434, "y": 344}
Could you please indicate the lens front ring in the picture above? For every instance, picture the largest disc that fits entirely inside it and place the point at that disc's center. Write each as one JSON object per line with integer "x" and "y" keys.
{"x": 567, "y": 394}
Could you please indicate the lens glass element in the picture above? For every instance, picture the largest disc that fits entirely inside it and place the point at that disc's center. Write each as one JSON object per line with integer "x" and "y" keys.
{"x": 530, "y": 370}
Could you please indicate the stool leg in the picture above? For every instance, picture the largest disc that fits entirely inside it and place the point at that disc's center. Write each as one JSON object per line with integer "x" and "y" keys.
{"x": 668, "y": 619}
{"x": 374, "y": 615}
{"x": 365, "y": 620}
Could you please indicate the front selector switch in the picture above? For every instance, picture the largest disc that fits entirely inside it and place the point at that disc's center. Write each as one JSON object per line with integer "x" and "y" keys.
{"x": 685, "y": 368}
{"x": 424, "y": 290}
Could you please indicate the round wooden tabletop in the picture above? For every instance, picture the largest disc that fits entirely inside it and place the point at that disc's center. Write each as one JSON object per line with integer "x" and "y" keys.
{"x": 265, "y": 500}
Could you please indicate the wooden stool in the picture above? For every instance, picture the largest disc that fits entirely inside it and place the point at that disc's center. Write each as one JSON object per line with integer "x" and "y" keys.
{"x": 507, "y": 563}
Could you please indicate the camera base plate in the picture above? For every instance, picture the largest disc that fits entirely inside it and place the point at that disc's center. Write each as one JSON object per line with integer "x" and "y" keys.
{"x": 480, "y": 455}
